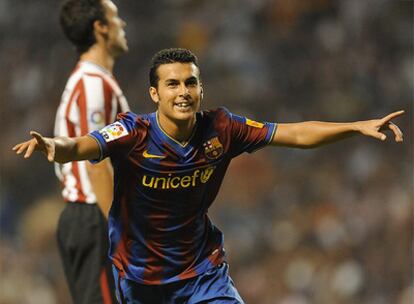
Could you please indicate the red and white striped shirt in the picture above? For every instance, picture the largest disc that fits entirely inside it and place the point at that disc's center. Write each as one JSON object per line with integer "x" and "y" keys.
{"x": 91, "y": 100}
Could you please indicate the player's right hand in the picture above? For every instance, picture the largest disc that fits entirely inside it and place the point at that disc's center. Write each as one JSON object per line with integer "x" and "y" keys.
{"x": 37, "y": 143}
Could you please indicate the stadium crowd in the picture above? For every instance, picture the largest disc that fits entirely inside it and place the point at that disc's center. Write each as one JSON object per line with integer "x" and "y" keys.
{"x": 331, "y": 225}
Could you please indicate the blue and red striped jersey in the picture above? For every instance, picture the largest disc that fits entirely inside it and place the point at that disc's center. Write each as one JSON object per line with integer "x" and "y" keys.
{"x": 159, "y": 229}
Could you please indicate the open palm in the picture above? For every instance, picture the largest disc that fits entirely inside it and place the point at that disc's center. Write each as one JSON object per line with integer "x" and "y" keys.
{"x": 37, "y": 143}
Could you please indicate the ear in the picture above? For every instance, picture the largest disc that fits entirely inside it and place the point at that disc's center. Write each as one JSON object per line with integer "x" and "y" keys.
{"x": 202, "y": 92}
{"x": 154, "y": 94}
{"x": 100, "y": 27}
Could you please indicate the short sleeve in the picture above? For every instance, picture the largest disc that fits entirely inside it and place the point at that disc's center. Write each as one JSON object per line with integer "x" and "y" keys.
{"x": 117, "y": 138}
{"x": 248, "y": 135}
{"x": 95, "y": 103}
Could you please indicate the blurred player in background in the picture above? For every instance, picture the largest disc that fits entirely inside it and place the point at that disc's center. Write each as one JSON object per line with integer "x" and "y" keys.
{"x": 91, "y": 100}
{"x": 168, "y": 168}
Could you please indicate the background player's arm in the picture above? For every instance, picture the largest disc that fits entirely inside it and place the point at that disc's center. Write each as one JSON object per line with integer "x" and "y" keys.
{"x": 60, "y": 149}
{"x": 101, "y": 177}
{"x": 312, "y": 134}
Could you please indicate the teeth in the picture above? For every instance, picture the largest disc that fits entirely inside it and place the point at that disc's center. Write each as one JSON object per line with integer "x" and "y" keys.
{"x": 182, "y": 104}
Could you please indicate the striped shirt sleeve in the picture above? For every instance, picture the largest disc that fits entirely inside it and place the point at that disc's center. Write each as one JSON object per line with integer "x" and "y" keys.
{"x": 95, "y": 103}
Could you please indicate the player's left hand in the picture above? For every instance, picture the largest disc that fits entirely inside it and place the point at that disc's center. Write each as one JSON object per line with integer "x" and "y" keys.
{"x": 375, "y": 127}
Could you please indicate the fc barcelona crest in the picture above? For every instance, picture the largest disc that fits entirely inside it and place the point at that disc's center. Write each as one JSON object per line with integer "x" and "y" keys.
{"x": 213, "y": 148}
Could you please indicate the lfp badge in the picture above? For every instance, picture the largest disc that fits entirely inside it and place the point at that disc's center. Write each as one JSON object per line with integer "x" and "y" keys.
{"x": 113, "y": 131}
{"x": 213, "y": 148}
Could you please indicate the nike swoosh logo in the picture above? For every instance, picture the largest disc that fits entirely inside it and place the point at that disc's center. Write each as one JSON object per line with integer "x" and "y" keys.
{"x": 148, "y": 155}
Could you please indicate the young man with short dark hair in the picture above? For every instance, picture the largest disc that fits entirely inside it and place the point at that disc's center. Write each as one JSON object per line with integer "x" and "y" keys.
{"x": 168, "y": 168}
{"x": 91, "y": 100}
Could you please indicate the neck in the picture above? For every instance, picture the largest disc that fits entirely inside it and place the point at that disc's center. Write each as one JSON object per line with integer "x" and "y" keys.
{"x": 179, "y": 130}
{"x": 99, "y": 56}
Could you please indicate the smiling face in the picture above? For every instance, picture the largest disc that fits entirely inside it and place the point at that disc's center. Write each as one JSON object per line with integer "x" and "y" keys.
{"x": 178, "y": 93}
{"x": 116, "y": 40}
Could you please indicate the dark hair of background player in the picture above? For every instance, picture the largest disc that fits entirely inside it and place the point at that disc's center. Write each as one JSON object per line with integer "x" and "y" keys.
{"x": 77, "y": 18}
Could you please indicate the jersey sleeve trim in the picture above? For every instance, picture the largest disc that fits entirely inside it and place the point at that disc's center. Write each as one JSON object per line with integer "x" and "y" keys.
{"x": 269, "y": 137}
{"x": 271, "y": 132}
{"x": 102, "y": 146}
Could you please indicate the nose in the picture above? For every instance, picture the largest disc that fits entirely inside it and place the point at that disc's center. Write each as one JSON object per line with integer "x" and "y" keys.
{"x": 184, "y": 90}
{"x": 123, "y": 23}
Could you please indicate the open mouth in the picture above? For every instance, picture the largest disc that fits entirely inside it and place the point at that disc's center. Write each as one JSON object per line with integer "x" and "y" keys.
{"x": 183, "y": 106}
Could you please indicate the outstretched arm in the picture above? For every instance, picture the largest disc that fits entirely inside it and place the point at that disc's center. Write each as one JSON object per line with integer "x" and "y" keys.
{"x": 312, "y": 134}
{"x": 60, "y": 149}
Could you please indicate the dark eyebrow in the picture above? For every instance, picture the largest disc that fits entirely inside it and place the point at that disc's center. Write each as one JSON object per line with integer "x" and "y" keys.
{"x": 171, "y": 81}
{"x": 193, "y": 78}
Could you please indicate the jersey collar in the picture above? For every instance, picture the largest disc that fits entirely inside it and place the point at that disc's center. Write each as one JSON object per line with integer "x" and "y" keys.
{"x": 182, "y": 149}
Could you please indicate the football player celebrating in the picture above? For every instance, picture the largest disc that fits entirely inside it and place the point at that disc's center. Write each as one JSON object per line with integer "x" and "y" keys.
{"x": 168, "y": 168}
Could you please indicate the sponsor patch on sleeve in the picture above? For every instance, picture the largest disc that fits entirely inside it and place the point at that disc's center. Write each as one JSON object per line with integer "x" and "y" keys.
{"x": 113, "y": 131}
{"x": 253, "y": 123}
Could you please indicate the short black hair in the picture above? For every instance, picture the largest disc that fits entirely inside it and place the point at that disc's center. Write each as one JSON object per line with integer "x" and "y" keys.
{"x": 169, "y": 56}
{"x": 77, "y": 18}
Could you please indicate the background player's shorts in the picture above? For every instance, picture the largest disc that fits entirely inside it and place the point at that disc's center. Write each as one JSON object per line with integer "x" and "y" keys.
{"x": 214, "y": 286}
{"x": 83, "y": 244}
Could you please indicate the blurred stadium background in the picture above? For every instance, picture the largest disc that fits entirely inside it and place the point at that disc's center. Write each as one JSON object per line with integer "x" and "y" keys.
{"x": 333, "y": 225}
